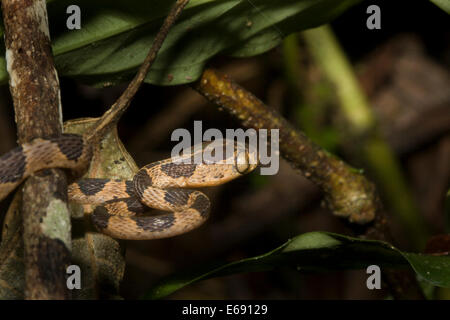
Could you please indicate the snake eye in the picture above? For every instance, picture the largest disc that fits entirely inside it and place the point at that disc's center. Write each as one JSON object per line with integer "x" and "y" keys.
{"x": 242, "y": 162}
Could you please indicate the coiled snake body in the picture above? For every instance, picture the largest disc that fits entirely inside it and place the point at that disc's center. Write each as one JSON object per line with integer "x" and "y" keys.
{"x": 159, "y": 185}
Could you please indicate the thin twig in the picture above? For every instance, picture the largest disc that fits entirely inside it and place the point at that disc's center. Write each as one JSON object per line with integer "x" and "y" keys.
{"x": 112, "y": 116}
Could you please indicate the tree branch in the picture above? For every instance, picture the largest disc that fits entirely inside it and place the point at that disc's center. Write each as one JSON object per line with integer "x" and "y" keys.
{"x": 34, "y": 87}
{"x": 35, "y": 90}
{"x": 348, "y": 193}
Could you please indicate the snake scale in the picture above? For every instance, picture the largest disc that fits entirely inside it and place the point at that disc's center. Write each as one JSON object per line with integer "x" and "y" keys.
{"x": 121, "y": 204}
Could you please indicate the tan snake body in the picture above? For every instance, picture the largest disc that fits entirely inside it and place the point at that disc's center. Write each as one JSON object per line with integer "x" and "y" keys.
{"x": 122, "y": 203}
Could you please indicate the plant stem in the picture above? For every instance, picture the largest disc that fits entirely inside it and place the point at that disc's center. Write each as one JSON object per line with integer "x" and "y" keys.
{"x": 361, "y": 124}
{"x": 112, "y": 116}
{"x": 349, "y": 193}
{"x": 309, "y": 100}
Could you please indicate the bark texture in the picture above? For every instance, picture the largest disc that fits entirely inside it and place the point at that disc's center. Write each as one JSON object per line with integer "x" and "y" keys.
{"x": 35, "y": 91}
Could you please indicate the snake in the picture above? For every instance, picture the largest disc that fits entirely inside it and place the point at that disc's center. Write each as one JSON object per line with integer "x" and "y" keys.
{"x": 121, "y": 206}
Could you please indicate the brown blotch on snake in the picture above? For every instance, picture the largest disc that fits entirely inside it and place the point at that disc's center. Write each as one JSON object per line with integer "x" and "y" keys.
{"x": 90, "y": 187}
{"x": 140, "y": 181}
{"x": 71, "y": 146}
{"x": 158, "y": 223}
{"x": 177, "y": 197}
{"x": 100, "y": 217}
{"x": 12, "y": 166}
{"x": 201, "y": 204}
{"x": 134, "y": 205}
{"x": 177, "y": 170}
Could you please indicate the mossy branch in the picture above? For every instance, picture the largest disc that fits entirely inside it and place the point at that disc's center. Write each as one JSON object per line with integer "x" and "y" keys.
{"x": 347, "y": 192}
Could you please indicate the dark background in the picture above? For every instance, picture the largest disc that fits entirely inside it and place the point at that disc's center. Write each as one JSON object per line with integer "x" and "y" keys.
{"x": 251, "y": 216}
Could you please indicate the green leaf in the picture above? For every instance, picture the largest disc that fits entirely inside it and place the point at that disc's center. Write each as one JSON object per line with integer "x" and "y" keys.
{"x": 115, "y": 36}
{"x": 434, "y": 269}
{"x": 318, "y": 252}
{"x": 443, "y": 4}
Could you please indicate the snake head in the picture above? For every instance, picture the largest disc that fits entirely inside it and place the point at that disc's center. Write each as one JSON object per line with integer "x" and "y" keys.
{"x": 245, "y": 158}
